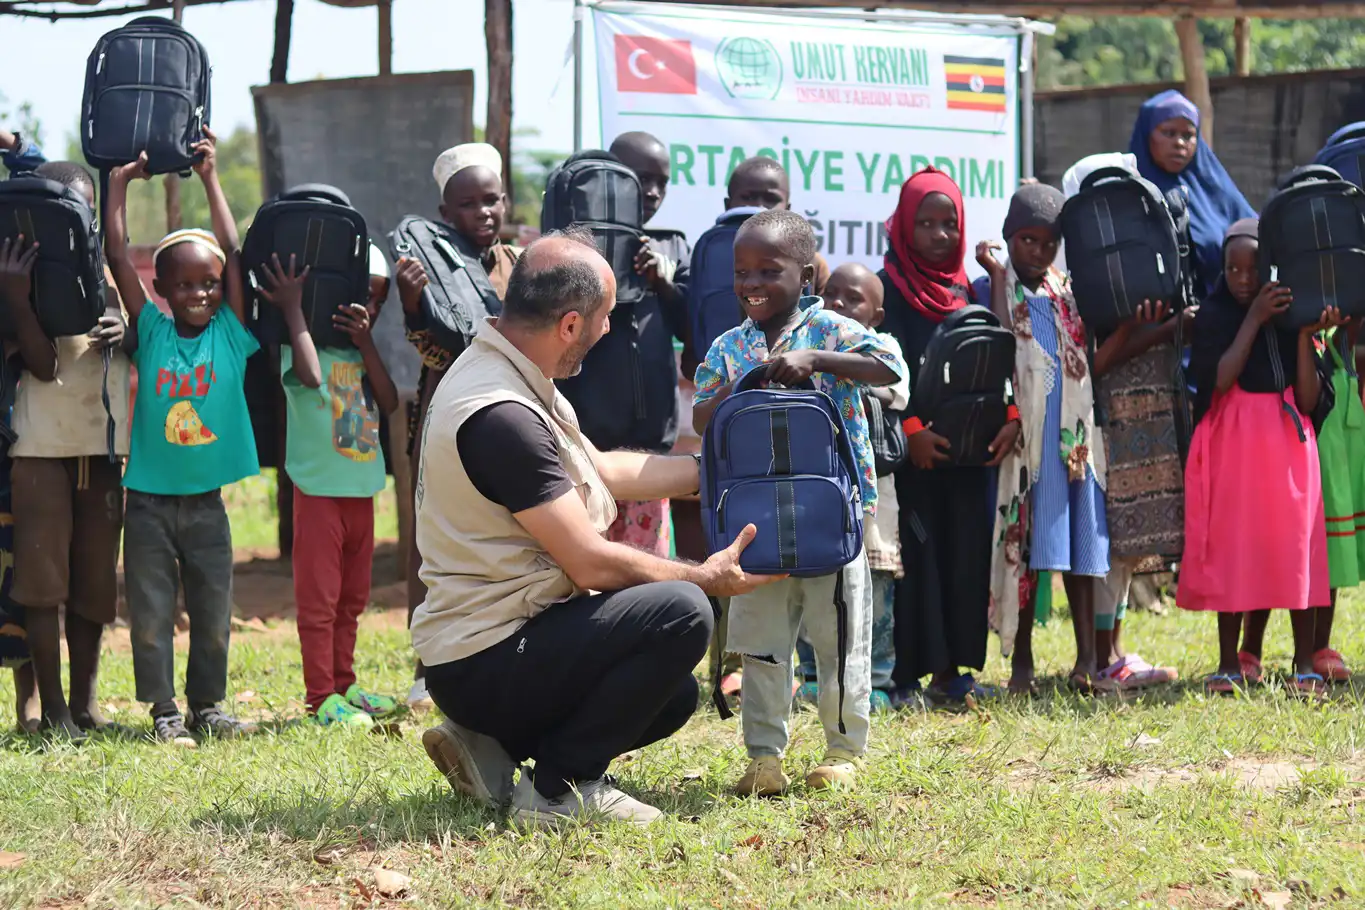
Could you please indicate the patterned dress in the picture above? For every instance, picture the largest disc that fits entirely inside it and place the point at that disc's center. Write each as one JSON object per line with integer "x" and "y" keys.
{"x": 1145, "y": 485}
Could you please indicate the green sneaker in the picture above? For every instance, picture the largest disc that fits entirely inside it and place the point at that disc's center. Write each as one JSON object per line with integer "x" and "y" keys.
{"x": 371, "y": 704}
{"x": 336, "y": 710}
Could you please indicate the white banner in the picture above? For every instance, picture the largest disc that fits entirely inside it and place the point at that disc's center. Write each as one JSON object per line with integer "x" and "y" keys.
{"x": 850, "y": 107}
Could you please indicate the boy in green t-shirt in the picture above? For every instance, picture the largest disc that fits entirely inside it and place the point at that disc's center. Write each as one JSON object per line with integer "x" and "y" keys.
{"x": 191, "y": 436}
{"x": 334, "y": 398}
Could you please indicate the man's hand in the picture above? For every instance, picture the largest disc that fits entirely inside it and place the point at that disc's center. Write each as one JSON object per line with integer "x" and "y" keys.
{"x": 107, "y": 333}
{"x": 283, "y": 289}
{"x": 354, "y": 320}
{"x": 793, "y": 367}
{"x": 721, "y": 574}
{"x": 206, "y": 150}
{"x": 16, "y": 270}
{"x": 928, "y": 449}
{"x": 412, "y": 280}
{"x": 1003, "y": 443}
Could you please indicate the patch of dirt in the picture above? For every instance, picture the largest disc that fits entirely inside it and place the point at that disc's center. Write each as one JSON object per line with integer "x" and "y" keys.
{"x": 1266, "y": 776}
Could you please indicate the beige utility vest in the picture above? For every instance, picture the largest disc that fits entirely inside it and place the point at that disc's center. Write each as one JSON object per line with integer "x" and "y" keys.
{"x": 485, "y": 575}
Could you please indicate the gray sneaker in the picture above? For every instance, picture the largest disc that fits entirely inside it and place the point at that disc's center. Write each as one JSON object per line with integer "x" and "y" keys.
{"x": 594, "y": 801}
{"x": 474, "y": 764}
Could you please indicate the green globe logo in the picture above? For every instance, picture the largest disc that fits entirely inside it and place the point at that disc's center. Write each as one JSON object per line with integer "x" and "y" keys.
{"x": 749, "y": 68}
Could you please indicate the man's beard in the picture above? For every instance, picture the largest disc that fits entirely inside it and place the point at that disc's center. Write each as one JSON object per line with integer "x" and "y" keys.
{"x": 571, "y": 363}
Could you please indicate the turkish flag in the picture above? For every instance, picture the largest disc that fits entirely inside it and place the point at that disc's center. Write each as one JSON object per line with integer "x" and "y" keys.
{"x": 661, "y": 65}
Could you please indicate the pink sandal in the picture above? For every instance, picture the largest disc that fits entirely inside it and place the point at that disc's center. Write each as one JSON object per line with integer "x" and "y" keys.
{"x": 1331, "y": 666}
{"x": 1251, "y": 668}
{"x": 1131, "y": 672}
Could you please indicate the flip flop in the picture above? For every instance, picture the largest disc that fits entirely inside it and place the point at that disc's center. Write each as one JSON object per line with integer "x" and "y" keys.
{"x": 1251, "y": 668}
{"x": 1223, "y": 683}
{"x": 1309, "y": 685}
{"x": 1131, "y": 672}
{"x": 1331, "y": 666}
{"x": 957, "y": 691}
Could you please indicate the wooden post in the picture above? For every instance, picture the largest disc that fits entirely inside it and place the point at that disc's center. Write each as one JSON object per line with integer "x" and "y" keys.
{"x": 1196, "y": 76}
{"x": 174, "y": 221}
{"x": 385, "y": 37}
{"x": 498, "y": 122}
{"x": 284, "y": 487}
{"x": 284, "y": 27}
{"x": 1241, "y": 32}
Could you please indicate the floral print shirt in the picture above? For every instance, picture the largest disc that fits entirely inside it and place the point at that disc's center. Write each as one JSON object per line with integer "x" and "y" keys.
{"x": 745, "y": 347}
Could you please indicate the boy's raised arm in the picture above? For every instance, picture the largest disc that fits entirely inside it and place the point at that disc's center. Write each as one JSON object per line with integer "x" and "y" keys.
{"x": 116, "y": 255}
{"x": 38, "y": 351}
{"x": 224, "y": 227}
{"x": 284, "y": 289}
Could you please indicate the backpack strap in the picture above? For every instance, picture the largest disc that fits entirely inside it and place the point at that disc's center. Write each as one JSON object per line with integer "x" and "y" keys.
{"x": 110, "y": 430}
{"x": 718, "y": 697}
{"x": 841, "y": 636}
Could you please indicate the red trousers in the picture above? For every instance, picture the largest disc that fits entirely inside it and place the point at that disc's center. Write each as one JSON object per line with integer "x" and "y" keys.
{"x": 333, "y": 552}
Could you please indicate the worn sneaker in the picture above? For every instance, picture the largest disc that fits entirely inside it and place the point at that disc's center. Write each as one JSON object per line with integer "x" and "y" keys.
{"x": 419, "y": 699}
{"x": 170, "y": 728}
{"x": 214, "y": 721}
{"x": 474, "y": 764}
{"x": 371, "y": 704}
{"x": 836, "y": 770}
{"x": 764, "y": 777}
{"x": 336, "y": 710}
{"x": 591, "y": 802}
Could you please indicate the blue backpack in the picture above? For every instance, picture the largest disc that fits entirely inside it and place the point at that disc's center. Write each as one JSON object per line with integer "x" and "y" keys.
{"x": 781, "y": 460}
{"x": 1345, "y": 152}
{"x": 712, "y": 307}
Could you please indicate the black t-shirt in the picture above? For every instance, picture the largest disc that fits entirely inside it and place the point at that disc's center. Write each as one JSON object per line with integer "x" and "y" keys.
{"x": 511, "y": 458}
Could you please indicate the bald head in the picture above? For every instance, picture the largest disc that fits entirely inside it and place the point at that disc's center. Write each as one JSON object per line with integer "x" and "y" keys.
{"x": 558, "y": 274}
{"x": 648, "y": 158}
{"x": 855, "y": 291}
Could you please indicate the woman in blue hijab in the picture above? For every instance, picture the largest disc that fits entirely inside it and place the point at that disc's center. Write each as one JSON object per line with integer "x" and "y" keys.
{"x": 1169, "y": 154}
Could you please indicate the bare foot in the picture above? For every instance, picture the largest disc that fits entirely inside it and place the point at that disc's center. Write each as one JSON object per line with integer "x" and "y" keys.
{"x": 63, "y": 728}
{"x": 27, "y": 708}
{"x": 1026, "y": 686}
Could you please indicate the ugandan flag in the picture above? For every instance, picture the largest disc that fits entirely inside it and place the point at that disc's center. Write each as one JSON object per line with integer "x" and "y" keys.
{"x": 975, "y": 83}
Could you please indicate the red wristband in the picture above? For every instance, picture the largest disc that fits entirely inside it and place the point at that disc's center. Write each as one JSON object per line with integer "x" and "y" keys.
{"x": 1011, "y": 413}
{"x": 912, "y": 425}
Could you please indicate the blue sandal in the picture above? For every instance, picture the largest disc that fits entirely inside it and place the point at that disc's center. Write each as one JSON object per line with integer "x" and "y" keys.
{"x": 1223, "y": 683}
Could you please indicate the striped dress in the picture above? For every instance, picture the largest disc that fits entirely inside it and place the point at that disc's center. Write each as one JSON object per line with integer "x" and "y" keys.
{"x": 1069, "y": 532}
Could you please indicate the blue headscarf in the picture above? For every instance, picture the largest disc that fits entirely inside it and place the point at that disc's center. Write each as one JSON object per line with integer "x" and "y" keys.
{"x": 1215, "y": 202}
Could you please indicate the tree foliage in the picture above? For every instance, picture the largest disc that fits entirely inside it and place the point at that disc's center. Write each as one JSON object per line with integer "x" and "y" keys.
{"x": 1115, "y": 51}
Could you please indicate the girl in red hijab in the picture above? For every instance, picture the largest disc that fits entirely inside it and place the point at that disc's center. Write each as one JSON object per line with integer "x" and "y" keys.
{"x": 945, "y": 511}
{"x": 928, "y": 248}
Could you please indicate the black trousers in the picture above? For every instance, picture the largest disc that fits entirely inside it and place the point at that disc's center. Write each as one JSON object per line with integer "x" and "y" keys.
{"x": 584, "y": 681}
{"x": 946, "y": 521}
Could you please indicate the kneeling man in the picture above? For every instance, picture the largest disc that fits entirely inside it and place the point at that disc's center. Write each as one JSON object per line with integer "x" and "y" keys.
{"x": 512, "y": 502}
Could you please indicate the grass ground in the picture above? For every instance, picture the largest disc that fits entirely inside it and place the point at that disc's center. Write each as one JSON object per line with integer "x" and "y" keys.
{"x": 1175, "y": 799}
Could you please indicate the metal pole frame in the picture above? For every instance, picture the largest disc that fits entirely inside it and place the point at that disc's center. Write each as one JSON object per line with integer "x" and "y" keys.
{"x": 579, "y": 13}
{"x": 1024, "y": 28}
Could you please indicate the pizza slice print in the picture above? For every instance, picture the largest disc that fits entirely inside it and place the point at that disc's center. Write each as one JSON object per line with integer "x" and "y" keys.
{"x": 185, "y": 428}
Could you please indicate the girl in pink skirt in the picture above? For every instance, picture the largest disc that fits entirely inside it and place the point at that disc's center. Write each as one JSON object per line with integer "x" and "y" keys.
{"x": 1255, "y": 538}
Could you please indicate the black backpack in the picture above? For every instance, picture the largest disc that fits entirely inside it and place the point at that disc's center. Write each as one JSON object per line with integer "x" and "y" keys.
{"x": 68, "y": 276}
{"x": 593, "y": 189}
{"x": 1122, "y": 247}
{"x": 146, "y": 89}
{"x": 458, "y": 295}
{"x": 1312, "y": 240}
{"x": 960, "y": 387}
{"x": 316, "y": 224}
{"x": 886, "y": 434}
